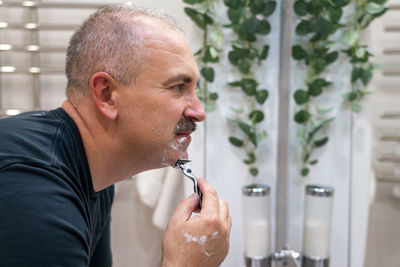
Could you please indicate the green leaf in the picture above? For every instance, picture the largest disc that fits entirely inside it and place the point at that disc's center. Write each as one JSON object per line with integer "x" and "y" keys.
{"x": 264, "y": 52}
{"x": 213, "y": 96}
{"x": 331, "y": 57}
{"x": 236, "y": 141}
{"x": 306, "y": 156}
{"x": 238, "y": 110}
{"x": 316, "y": 86}
{"x": 198, "y": 52}
{"x": 314, "y": 91}
{"x": 191, "y": 2}
{"x": 244, "y": 66}
{"x": 253, "y": 138}
{"x": 246, "y": 128}
{"x": 313, "y": 162}
{"x": 251, "y": 159}
{"x": 269, "y": 8}
{"x": 356, "y": 73}
{"x": 303, "y": 28}
{"x": 302, "y": 116}
{"x": 321, "y": 142}
{"x": 366, "y": 76}
{"x": 257, "y": 6}
{"x": 318, "y": 66}
{"x": 320, "y": 82}
{"x": 234, "y": 57}
{"x": 234, "y": 14}
{"x": 249, "y": 86}
{"x": 355, "y": 107}
{"x": 210, "y": 106}
{"x": 256, "y": 116}
{"x": 322, "y": 25}
{"x": 195, "y": 17}
{"x": 315, "y": 7}
{"x": 210, "y": 55}
{"x": 301, "y": 97}
{"x": 262, "y": 135}
{"x": 351, "y": 96}
{"x": 207, "y": 19}
{"x": 335, "y": 14}
{"x": 249, "y": 26}
{"x": 341, "y": 3}
{"x": 264, "y": 27}
{"x": 233, "y": 3}
{"x": 261, "y": 96}
{"x": 298, "y": 52}
{"x": 235, "y": 84}
{"x": 300, "y": 8}
{"x": 351, "y": 37}
{"x": 253, "y": 171}
{"x": 374, "y": 8}
{"x": 304, "y": 171}
{"x": 317, "y": 128}
{"x": 322, "y": 111}
{"x": 213, "y": 51}
{"x": 208, "y": 74}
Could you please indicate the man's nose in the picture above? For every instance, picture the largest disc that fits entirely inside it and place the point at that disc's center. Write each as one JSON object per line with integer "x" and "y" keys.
{"x": 195, "y": 110}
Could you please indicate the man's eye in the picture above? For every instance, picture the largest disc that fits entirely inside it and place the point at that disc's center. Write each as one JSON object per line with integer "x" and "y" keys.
{"x": 179, "y": 87}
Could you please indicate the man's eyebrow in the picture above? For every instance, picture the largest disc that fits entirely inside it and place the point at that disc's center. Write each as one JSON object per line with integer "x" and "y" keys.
{"x": 179, "y": 78}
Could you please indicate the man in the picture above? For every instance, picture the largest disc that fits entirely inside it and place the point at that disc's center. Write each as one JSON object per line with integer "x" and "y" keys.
{"x": 131, "y": 107}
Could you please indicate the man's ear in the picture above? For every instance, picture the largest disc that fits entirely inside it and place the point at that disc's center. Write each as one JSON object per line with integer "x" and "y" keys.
{"x": 105, "y": 96}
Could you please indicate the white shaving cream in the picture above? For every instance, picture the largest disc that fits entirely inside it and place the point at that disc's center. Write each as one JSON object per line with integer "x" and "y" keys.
{"x": 201, "y": 241}
{"x": 176, "y": 145}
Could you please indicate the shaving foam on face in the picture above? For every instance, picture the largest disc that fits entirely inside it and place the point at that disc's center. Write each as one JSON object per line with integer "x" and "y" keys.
{"x": 174, "y": 145}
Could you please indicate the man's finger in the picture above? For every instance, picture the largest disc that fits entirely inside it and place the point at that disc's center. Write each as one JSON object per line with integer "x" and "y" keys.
{"x": 223, "y": 211}
{"x": 210, "y": 203}
{"x": 185, "y": 209}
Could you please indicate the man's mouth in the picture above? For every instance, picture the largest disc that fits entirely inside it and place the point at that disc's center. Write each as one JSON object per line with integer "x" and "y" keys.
{"x": 184, "y": 137}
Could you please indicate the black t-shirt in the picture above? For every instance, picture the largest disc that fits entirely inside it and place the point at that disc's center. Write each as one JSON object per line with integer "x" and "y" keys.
{"x": 49, "y": 212}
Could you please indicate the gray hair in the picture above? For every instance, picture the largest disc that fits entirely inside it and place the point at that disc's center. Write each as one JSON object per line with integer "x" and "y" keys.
{"x": 107, "y": 42}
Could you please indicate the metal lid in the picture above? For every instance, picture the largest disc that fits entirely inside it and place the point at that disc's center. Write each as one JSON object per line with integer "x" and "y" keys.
{"x": 255, "y": 190}
{"x": 319, "y": 190}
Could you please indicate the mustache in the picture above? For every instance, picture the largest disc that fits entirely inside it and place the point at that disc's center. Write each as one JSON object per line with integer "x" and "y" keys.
{"x": 185, "y": 125}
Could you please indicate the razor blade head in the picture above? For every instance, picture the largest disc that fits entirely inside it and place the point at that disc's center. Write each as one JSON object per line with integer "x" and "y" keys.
{"x": 181, "y": 162}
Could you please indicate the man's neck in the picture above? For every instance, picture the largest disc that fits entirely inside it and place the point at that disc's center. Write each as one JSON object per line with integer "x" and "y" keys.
{"x": 105, "y": 162}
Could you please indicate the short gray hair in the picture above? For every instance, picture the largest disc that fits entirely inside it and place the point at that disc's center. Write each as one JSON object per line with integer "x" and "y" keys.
{"x": 107, "y": 42}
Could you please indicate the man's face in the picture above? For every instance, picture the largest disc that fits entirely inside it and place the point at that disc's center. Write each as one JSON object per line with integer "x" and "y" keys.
{"x": 158, "y": 112}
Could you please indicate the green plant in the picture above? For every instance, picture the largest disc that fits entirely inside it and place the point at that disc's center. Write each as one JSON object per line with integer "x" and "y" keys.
{"x": 319, "y": 20}
{"x": 365, "y": 11}
{"x": 248, "y": 21}
{"x": 203, "y": 14}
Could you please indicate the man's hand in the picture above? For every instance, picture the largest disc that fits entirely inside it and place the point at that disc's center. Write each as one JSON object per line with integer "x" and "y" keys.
{"x": 199, "y": 240}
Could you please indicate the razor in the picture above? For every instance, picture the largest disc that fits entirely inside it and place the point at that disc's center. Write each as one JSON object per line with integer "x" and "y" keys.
{"x": 184, "y": 165}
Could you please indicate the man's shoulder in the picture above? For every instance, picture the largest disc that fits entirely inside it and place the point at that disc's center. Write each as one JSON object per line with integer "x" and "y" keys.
{"x": 32, "y": 137}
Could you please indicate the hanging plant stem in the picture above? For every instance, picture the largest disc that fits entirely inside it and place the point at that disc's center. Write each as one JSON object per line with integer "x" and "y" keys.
{"x": 249, "y": 22}
{"x": 365, "y": 11}
{"x": 202, "y": 13}
{"x": 319, "y": 20}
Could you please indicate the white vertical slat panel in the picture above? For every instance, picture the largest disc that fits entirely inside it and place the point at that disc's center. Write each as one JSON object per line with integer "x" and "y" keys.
{"x": 333, "y": 168}
{"x": 376, "y": 209}
{"x": 225, "y": 167}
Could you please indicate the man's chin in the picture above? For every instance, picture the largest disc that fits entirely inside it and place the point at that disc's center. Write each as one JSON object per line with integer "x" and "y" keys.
{"x": 170, "y": 158}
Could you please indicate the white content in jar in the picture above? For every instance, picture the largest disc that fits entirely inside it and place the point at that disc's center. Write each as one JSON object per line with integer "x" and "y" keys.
{"x": 316, "y": 239}
{"x": 257, "y": 238}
